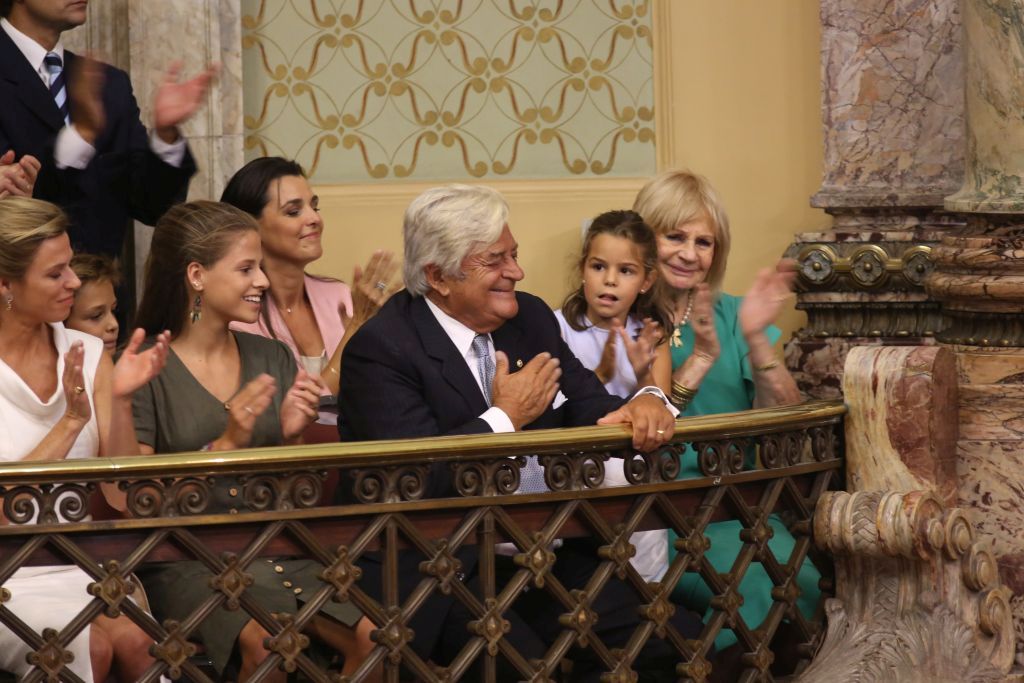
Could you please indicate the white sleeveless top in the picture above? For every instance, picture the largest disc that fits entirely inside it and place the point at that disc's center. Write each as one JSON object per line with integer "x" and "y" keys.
{"x": 47, "y": 596}
{"x": 25, "y": 420}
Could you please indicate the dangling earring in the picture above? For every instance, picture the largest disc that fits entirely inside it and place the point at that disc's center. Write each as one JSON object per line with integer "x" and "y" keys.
{"x": 197, "y": 309}
{"x": 10, "y": 300}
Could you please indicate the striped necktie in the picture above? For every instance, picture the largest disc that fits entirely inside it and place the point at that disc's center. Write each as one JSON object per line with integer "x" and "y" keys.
{"x": 55, "y": 67}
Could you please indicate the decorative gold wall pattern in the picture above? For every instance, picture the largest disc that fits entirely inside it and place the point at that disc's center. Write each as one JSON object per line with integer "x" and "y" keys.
{"x": 446, "y": 89}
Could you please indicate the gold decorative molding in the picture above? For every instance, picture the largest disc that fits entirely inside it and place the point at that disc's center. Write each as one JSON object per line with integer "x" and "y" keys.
{"x": 863, "y": 266}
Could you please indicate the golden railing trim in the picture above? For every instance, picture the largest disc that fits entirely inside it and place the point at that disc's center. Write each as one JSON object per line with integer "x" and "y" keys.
{"x": 408, "y": 506}
{"x": 404, "y": 451}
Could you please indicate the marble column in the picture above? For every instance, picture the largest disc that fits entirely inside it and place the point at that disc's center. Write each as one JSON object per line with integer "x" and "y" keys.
{"x": 979, "y": 278}
{"x": 892, "y": 112}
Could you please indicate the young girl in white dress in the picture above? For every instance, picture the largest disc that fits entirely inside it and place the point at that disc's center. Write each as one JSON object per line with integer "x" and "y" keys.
{"x": 613, "y": 323}
{"x": 61, "y": 398}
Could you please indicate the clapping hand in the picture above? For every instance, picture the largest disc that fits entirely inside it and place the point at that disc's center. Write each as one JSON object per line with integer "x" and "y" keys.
{"x": 605, "y": 369}
{"x": 176, "y": 101}
{"x": 243, "y": 409}
{"x": 526, "y": 394}
{"x": 18, "y": 178}
{"x": 85, "y": 91}
{"x": 371, "y": 287}
{"x": 134, "y": 369}
{"x": 78, "y": 408}
{"x": 299, "y": 407}
{"x": 640, "y": 351}
{"x": 702, "y": 319}
{"x": 763, "y": 301}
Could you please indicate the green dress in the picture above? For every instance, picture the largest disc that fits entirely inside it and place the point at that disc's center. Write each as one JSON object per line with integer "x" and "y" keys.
{"x": 729, "y": 387}
{"x": 175, "y": 413}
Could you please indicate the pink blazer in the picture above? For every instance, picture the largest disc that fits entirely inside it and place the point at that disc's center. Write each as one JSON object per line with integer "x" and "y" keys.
{"x": 328, "y": 298}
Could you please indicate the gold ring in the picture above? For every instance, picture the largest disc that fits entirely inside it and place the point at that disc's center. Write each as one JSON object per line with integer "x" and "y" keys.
{"x": 227, "y": 406}
{"x": 661, "y": 432}
{"x": 702, "y": 320}
{"x": 79, "y": 390}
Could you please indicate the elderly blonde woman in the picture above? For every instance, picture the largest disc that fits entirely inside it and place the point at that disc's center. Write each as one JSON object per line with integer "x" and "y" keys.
{"x": 723, "y": 360}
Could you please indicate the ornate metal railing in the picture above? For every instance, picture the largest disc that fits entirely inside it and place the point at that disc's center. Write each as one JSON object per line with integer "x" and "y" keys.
{"x": 281, "y": 511}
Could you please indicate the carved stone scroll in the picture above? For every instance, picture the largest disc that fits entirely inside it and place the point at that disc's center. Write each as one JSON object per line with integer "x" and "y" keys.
{"x": 918, "y": 598}
{"x": 901, "y": 430}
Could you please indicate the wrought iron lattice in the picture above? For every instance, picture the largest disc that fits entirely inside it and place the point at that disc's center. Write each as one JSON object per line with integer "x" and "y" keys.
{"x": 796, "y": 457}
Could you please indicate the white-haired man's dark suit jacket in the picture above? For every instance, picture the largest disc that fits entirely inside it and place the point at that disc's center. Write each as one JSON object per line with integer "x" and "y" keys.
{"x": 402, "y": 377}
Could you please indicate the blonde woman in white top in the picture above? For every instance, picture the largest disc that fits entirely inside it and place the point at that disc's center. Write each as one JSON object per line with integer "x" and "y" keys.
{"x": 61, "y": 397}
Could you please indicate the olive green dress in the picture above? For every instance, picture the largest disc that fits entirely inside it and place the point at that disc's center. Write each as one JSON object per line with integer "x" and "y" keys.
{"x": 729, "y": 387}
{"x": 175, "y": 413}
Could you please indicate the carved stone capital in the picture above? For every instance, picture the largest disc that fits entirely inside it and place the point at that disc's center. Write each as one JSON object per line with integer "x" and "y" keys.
{"x": 979, "y": 280}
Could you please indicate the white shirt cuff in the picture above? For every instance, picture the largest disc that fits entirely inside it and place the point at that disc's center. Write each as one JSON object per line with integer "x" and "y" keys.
{"x": 172, "y": 154}
{"x": 498, "y": 420}
{"x": 71, "y": 150}
{"x": 655, "y": 391}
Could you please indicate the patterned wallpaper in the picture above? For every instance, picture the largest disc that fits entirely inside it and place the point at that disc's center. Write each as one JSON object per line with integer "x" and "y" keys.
{"x": 446, "y": 89}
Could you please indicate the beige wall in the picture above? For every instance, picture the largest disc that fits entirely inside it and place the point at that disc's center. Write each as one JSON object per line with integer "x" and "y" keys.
{"x": 743, "y": 102}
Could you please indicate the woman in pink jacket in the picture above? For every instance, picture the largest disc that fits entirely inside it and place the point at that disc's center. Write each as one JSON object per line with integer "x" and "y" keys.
{"x": 314, "y": 316}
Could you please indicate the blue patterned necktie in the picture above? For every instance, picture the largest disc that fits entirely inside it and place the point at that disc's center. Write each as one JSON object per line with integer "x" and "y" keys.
{"x": 484, "y": 365}
{"x": 55, "y": 67}
{"x": 532, "y": 475}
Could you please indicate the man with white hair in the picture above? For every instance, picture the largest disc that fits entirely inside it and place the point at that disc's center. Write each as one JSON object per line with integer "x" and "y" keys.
{"x": 460, "y": 351}
{"x": 436, "y": 358}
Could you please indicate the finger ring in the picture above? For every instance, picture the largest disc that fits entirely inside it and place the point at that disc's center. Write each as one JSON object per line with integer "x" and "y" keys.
{"x": 79, "y": 390}
{"x": 248, "y": 410}
{"x": 381, "y": 285}
{"x": 702, "y": 320}
{"x": 227, "y": 407}
{"x": 661, "y": 432}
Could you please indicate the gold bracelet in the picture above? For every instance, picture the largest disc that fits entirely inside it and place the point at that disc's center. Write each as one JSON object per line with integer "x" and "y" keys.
{"x": 774, "y": 363}
{"x": 682, "y": 395}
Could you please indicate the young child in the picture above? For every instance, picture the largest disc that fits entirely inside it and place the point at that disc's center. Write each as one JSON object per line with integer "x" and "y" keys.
{"x": 95, "y": 303}
{"x": 613, "y": 322}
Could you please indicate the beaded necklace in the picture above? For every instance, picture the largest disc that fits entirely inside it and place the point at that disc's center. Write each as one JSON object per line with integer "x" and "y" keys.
{"x": 677, "y": 338}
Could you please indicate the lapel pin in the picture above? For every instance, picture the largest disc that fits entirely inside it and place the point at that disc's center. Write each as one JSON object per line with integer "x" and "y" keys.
{"x": 519, "y": 362}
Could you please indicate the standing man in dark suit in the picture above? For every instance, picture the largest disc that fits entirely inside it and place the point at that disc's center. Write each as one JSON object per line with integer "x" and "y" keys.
{"x": 78, "y": 119}
{"x": 459, "y": 351}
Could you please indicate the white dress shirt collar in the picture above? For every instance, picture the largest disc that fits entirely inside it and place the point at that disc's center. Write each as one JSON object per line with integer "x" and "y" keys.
{"x": 33, "y": 51}
{"x": 460, "y": 335}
